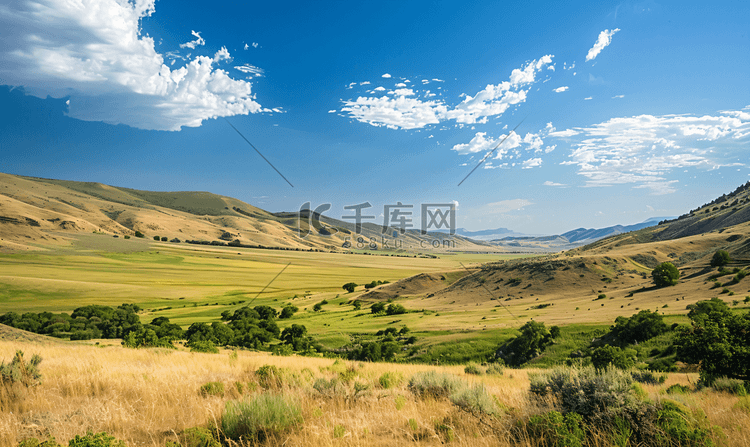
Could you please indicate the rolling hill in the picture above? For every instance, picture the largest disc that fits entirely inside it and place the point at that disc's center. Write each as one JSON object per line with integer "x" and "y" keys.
{"x": 36, "y": 212}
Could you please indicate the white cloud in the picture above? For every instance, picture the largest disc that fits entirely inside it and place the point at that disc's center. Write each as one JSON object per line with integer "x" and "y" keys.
{"x": 618, "y": 96}
{"x": 588, "y": 98}
{"x": 643, "y": 150}
{"x": 605, "y": 38}
{"x": 199, "y": 41}
{"x": 333, "y": 111}
{"x": 394, "y": 113}
{"x": 222, "y": 54}
{"x": 386, "y": 75}
{"x": 255, "y": 44}
{"x": 250, "y": 69}
{"x": 379, "y": 89}
{"x": 549, "y": 183}
{"x": 492, "y": 101}
{"x": 247, "y": 47}
{"x": 364, "y": 83}
{"x": 560, "y": 89}
{"x": 93, "y": 51}
{"x": 531, "y": 163}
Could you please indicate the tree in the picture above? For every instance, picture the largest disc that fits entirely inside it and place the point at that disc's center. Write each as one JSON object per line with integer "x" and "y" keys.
{"x": 720, "y": 259}
{"x": 317, "y": 307}
{"x": 296, "y": 336}
{"x": 638, "y": 328}
{"x": 377, "y": 308}
{"x": 139, "y": 234}
{"x": 665, "y": 274}
{"x": 534, "y": 339}
{"x": 395, "y": 309}
{"x": 288, "y": 311}
{"x": 157, "y": 238}
{"x": 718, "y": 341}
{"x": 357, "y": 305}
{"x": 349, "y": 287}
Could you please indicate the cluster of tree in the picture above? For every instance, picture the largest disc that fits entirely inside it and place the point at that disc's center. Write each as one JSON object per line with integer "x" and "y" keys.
{"x": 84, "y": 323}
{"x": 390, "y": 342}
{"x": 535, "y": 337}
{"x": 374, "y": 284}
{"x": 246, "y": 327}
{"x": 718, "y": 340}
{"x": 391, "y": 309}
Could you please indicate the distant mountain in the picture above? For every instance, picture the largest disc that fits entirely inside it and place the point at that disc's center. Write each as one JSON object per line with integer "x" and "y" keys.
{"x": 487, "y": 234}
{"x": 593, "y": 234}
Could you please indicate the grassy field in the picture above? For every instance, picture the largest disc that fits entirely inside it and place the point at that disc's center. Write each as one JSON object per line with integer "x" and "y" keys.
{"x": 148, "y": 396}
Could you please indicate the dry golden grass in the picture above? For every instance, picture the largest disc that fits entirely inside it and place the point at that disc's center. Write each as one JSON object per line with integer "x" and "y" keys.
{"x": 147, "y": 397}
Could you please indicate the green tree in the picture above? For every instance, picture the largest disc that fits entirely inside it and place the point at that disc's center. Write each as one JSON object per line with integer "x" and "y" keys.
{"x": 721, "y": 258}
{"x": 139, "y": 234}
{"x": 288, "y": 311}
{"x": 349, "y": 287}
{"x": 718, "y": 341}
{"x": 533, "y": 340}
{"x": 377, "y": 308}
{"x": 665, "y": 274}
{"x": 157, "y": 238}
{"x": 296, "y": 336}
{"x": 640, "y": 327}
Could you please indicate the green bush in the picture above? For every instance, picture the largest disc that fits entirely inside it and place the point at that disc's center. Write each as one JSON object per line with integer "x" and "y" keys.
{"x": 376, "y": 308}
{"x": 157, "y": 238}
{"x": 20, "y": 371}
{"x": 212, "y": 389}
{"x": 648, "y": 377}
{"x": 331, "y": 388}
{"x": 678, "y": 389}
{"x": 720, "y": 258}
{"x": 139, "y": 234}
{"x": 475, "y": 400}
{"x": 473, "y": 369}
{"x": 533, "y": 340}
{"x": 740, "y": 276}
{"x": 732, "y": 386}
{"x": 203, "y": 346}
{"x": 557, "y": 429}
{"x": 33, "y": 442}
{"x": 679, "y": 427}
{"x": 349, "y": 287}
{"x": 265, "y": 416}
{"x": 390, "y": 379}
{"x": 95, "y": 440}
{"x": 198, "y": 437}
{"x": 288, "y": 311}
{"x": 395, "y": 309}
{"x": 612, "y": 355}
{"x": 434, "y": 384}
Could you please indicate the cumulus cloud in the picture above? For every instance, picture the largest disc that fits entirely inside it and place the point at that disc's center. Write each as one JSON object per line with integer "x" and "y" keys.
{"x": 93, "y": 51}
{"x": 193, "y": 43}
{"x": 493, "y": 100}
{"x": 605, "y": 38}
{"x": 531, "y": 163}
{"x": 386, "y": 75}
{"x": 643, "y": 150}
{"x": 560, "y": 89}
{"x": 549, "y": 183}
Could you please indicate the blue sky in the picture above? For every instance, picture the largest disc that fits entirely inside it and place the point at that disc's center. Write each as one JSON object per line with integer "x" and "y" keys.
{"x": 628, "y": 110}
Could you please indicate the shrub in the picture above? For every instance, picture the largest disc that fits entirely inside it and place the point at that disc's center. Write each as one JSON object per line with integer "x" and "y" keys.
{"x": 19, "y": 371}
{"x": 647, "y": 377}
{"x": 164, "y": 239}
{"x": 265, "y": 416}
{"x": 203, "y": 346}
{"x": 395, "y": 309}
{"x": 268, "y": 376}
{"x": 330, "y": 388}
{"x": 390, "y": 380}
{"x": 357, "y": 305}
{"x": 434, "y": 384}
{"x": 495, "y": 368}
{"x": 740, "y": 276}
{"x": 212, "y": 389}
{"x": 157, "y": 238}
{"x": 139, "y": 234}
{"x": 473, "y": 369}
{"x": 720, "y": 258}
{"x": 586, "y": 391}
{"x": 732, "y": 386}
{"x": 317, "y": 307}
{"x": 560, "y": 430}
{"x": 475, "y": 400}
{"x": 349, "y": 287}
{"x": 638, "y": 328}
{"x": 95, "y": 440}
{"x": 288, "y": 311}
{"x": 665, "y": 274}
{"x": 198, "y": 437}
{"x": 612, "y": 355}
{"x": 339, "y": 431}
{"x": 678, "y": 389}
{"x": 376, "y": 308}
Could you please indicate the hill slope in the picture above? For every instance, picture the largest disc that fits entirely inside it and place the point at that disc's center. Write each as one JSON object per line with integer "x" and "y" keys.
{"x": 35, "y": 212}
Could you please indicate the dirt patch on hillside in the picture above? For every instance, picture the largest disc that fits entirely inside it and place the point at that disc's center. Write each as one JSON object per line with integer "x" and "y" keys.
{"x": 416, "y": 285}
